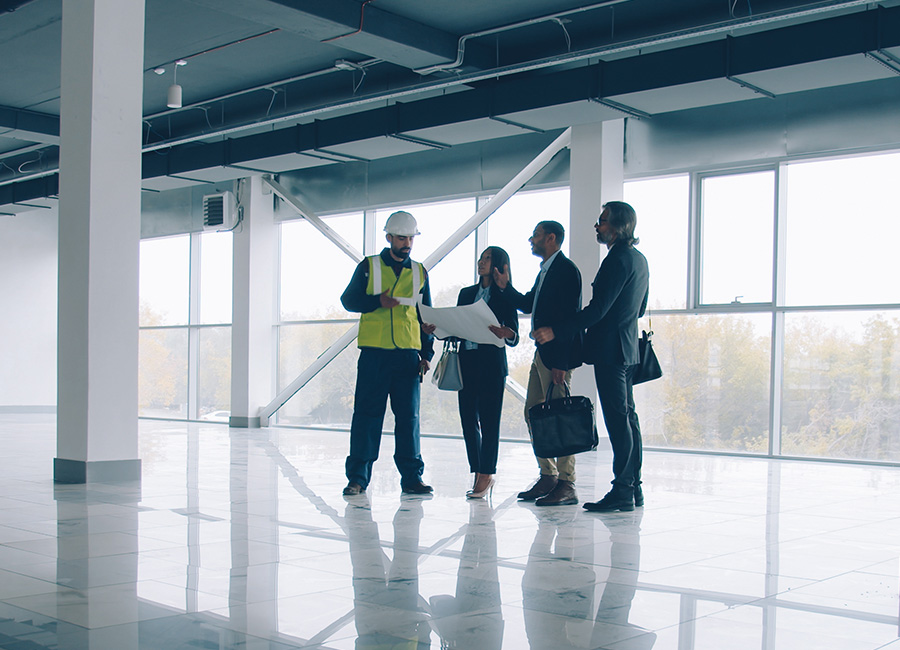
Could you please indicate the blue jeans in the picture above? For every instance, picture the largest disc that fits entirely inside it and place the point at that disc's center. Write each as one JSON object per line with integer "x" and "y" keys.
{"x": 382, "y": 374}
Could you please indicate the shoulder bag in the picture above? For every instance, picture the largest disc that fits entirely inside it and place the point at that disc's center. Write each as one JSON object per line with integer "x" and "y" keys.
{"x": 447, "y": 373}
{"x": 648, "y": 368}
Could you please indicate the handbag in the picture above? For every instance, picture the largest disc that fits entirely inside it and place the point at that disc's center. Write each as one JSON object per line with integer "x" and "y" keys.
{"x": 447, "y": 373}
{"x": 563, "y": 426}
{"x": 648, "y": 368}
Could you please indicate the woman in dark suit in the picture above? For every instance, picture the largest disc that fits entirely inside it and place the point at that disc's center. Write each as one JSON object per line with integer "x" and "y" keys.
{"x": 484, "y": 373}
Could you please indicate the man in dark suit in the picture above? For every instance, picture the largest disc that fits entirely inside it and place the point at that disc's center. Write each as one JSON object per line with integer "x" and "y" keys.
{"x": 620, "y": 292}
{"x": 553, "y": 300}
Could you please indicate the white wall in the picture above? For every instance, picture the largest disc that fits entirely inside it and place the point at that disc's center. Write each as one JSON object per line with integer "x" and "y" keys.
{"x": 28, "y": 280}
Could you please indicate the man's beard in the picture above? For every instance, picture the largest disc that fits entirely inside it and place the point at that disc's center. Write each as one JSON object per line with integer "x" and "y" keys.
{"x": 401, "y": 253}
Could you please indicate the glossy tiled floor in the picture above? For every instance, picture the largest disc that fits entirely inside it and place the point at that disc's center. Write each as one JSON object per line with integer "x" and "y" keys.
{"x": 241, "y": 540}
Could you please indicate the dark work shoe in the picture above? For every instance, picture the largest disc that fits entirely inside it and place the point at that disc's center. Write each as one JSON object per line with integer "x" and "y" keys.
{"x": 353, "y": 488}
{"x": 638, "y": 496}
{"x": 416, "y": 488}
{"x": 544, "y": 485}
{"x": 562, "y": 495}
{"x": 611, "y": 503}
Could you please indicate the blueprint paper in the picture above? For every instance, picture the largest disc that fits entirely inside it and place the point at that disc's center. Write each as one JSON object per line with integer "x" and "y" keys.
{"x": 469, "y": 322}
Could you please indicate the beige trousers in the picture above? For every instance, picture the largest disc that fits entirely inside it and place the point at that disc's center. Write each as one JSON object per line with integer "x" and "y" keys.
{"x": 539, "y": 380}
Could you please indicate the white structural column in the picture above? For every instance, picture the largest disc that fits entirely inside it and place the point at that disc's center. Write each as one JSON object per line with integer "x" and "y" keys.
{"x": 255, "y": 255}
{"x": 99, "y": 235}
{"x": 596, "y": 175}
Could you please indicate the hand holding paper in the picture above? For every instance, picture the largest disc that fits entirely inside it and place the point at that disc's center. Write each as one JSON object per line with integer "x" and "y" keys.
{"x": 469, "y": 322}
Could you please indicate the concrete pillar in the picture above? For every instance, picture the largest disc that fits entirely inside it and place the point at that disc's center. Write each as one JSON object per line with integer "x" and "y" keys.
{"x": 99, "y": 235}
{"x": 596, "y": 175}
{"x": 253, "y": 311}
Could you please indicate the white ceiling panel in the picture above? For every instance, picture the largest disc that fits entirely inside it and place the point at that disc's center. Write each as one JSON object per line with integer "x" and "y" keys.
{"x": 29, "y": 206}
{"x": 677, "y": 98}
{"x": 465, "y": 132}
{"x": 287, "y": 162}
{"x": 217, "y": 174}
{"x": 819, "y": 74}
{"x": 564, "y": 115}
{"x": 374, "y": 148}
{"x": 164, "y": 183}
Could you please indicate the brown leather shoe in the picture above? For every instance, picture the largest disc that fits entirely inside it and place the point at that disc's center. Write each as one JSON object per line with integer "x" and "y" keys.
{"x": 353, "y": 488}
{"x": 562, "y": 495}
{"x": 544, "y": 485}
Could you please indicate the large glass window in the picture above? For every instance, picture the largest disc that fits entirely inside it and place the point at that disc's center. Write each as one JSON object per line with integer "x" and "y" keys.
{"x": 719, "y": 316}
{"x": 163, "y": 373}
{"x": 178, "y": 302}
{"x": 310, "y": 295}
{"x": 165, "y": 280}
{"x": 714, "y": 393}
{"x": 662, "y": 206}
{"x": 214, "y": 374}
{"x": 216, "y": 250}
{"x": 327, "y": 400}
{"x": 842, "y": 385}
{"x": 842, "y": 231}
{"x": 736, "y": 242}
{"x": 314, "y": 271}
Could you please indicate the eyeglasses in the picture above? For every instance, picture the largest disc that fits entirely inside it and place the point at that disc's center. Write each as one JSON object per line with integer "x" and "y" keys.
{"x": 599, "y": 221}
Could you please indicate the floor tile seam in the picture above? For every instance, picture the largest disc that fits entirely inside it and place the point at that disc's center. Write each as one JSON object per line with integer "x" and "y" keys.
{"x": 727, "y": 599}
{"x": 852, "y": 527}
{"x": 187, "y": 590}
{"x": 56, "y": 557}
{"x": 592, "y": 619}
{"x": 54, "y": 586}
{"x": 876, "y": 573}
{"x": 810, "y": 581}
{"x": 30, "y": 532}
{"x": 829, "y": 514}
{"x": 689, "y": 562}
{"x": 816, "y": 550}
{"x": 690, "y": 530}
{"x": 740, "y": 548}
{"x": 843, "y": 574}
{"x": 94, "y": 628}
{"x": 782, "y": 574}
{"x": 840, "y": 612}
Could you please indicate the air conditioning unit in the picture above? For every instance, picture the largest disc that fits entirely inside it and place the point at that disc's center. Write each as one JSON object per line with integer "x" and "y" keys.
{"x": 219, "y": 211}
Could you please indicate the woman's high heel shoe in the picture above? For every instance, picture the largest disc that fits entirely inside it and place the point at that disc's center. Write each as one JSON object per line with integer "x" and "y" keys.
{"x": 486, "y": 490}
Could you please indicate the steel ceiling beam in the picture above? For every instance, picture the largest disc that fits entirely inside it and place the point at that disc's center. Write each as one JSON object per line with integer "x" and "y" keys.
{"x": 29, "y": 126}
{"x": 350, "y": 25}
{"x": 851, "y": 34}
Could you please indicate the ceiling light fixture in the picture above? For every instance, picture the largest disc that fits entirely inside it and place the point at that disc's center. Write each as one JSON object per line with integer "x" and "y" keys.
{"x": 343, "y": 64}
{"x": 173, "y": 97}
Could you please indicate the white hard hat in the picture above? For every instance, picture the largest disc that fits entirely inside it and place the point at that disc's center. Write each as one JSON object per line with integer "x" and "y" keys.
{"x": 401, "y": 223}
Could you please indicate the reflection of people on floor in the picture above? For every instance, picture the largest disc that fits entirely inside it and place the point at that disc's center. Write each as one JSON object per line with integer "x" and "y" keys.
{"x": 558, "y": 584}
{"x": 611, "y": 622}
{"x": 472, "y": 620}
{"x": 389, "y": 613}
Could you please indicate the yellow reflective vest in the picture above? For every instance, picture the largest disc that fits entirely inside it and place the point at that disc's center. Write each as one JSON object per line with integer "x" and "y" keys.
{"x": 396, "y": 328}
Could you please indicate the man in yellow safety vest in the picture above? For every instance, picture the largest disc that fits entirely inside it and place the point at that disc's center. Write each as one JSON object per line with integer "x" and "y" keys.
{"x": 394, "y": 355}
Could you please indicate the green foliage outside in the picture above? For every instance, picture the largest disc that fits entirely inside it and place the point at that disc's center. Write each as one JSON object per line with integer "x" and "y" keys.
{"x": 841, "y": 395}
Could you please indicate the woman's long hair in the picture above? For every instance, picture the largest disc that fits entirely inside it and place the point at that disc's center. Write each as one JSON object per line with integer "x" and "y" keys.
{"x": 499, "y": 259}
